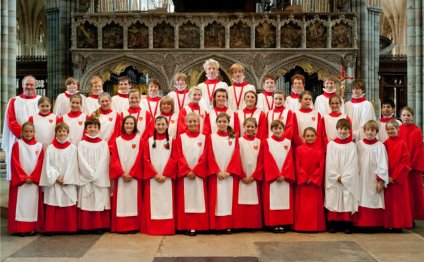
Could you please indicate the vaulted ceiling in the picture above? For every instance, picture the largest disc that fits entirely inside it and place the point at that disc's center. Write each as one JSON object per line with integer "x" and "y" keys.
{"x": 32, "y": 27}
{"x": 393, "y": 23}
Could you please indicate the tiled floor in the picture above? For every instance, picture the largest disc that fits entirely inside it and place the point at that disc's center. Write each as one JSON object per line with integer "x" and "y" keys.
{"x": 237, "y": 247}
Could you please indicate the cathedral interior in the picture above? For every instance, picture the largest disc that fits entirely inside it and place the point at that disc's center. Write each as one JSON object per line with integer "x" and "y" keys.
{"x": 374, "y": 40}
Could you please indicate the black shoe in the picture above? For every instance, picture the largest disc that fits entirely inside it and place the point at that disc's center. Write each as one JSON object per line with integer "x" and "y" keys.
{"x": 48, "y": 234}
{"x": 332, "y": 230}
{"x": 397, "y": 230}
{"x": 228, "y": 231}
{"x": 32, "y": 233}
{"x": 276, "y": 230}
{"x": 192, "y": 233}
{"x": 348, "y": 231}
{"x": 282, "y": 230}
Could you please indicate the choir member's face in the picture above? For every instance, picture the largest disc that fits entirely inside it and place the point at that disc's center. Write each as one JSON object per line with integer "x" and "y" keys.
{"x": 335, "y": 105}
{"x": 192, "y": 123}
{"x": 92, "y": 130}
{"x": 196, "y": 96}
{"x": 124, "y": 86}
{"x": 129, "y": 126}
{"x": 134, "y": 99}
{"x": 211, "y": 71}
{"x": 250, "y": 100}
{"x": 97, "y": 88}
{"x": 29, "y": 86}
{"x": 406, "y": 117}
{"x": 298, "y": 85}
{"x": 28, "y": 132}
{"x": 166, "y": 108}
{"x": 180, "y": 84}
{"x": 310, "y": 136}
{"x": 343, "y": 131}
{"x": 277, "y": 131}
{"x": 44, "y": 107}
{"x": 238, "y": 75}
{"x": 278, "y": 100}
{"x": 356, "y": 91}
{"x": 250, "y": 129}
{"x": 370, "y": 133}
{"x": 161, "y": 126}
{"x": 75, "y": 105}
{"x": 269, "y": 85}
{"x": 222, "y": 124}
{"x": 329, "y": 85}
{"x": 72, "y": 87}
{"x": 220, "y": 99}
{"x": 387, "y": 110}
{"x": 391, "y": 130}
{"x": 306, "y": 101}
{"x": 61, "y": 134}
{"x": 105, "y": 102}
{"x": 153, "y": 90}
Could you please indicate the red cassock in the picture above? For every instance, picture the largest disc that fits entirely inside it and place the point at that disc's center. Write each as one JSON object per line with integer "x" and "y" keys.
{"x": 126, "y": 156}
{"x": 158, "y": 216}
{"x": 191, "y": 198}
{"x": 200, "y": 110}
{"x": 396, "y": 196}
{"x": 309, "y": 204}
{"x": 302, "y": 119}
{"x": 25, "y": 200}
{"x": 223, "y": 156}
{"x": 278, "y": 196}
{"x": 248, "y": 213}
{"x": 283, "y": 114}
{"x": 413, "y": 137}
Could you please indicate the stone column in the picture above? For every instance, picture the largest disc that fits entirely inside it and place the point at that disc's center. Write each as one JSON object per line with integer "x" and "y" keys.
{"x": 8, "y": 47}
{"x": 415, "y": 53}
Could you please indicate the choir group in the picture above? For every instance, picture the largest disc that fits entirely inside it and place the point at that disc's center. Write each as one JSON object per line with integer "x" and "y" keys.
{"x": 212, "y": 157}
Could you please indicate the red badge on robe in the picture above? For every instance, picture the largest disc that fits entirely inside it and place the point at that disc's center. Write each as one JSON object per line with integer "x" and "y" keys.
{"x": 50, "y": 121}
{"x": 256, "y": 147}
{"x": 199, "y": 144}
{"x": 172, "y": 121}
{"x": 230, "y": 142}
{"x": 202, "y": 116}
{"x": 110, "y": 119}
{"x": 133, "y": 146}
{"x": 313, "y": 118}
{"x": 36, "y": 152}
{"x": 286, "y": 147}
{"x": 80, "y": 123}
{"x": 140, "y": 118}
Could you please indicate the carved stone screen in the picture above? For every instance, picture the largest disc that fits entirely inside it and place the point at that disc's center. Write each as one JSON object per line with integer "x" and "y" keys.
{"x": 291, "y": 36}
{"x": 87, "y": 36}
{"x": 265, "y": 35}
{"x": 138, "y": 36}
{"x": 189, "y": 36}
{"x": 341, "y": 35}
{"x": 240, "y": 36}
{"x": 163, "y": 36}
{"x": 113, "y": 36}
{"x": 316, "y": 35}
{"x": 214, "y": 36}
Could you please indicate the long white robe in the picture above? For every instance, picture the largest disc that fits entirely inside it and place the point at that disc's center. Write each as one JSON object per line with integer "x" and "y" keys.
{"x": 91, "y": 105}
{"x": 382, "y": 133}
{"x": 205, "y": 101}
{"x": 76, "y": 127}
{"x": 44, "y": 128}
{"x": 93, "y": 163}
{"x": 249, "y": 151}
{"x": 120, "y": 104}
{"x": 323, "y": 107}
{"x": 359, "y": 113}
{"x": 60, "y": 163}
{"x": 372, "y": 164}
{"x": 342, "y": 160}
{"x": 62, "y": 105}
{"x": 236, "y": 94}
{"x": 266, "y": 103}
{"x": 179, "y": 99}
{"x": 330, "y": 124}
{"x": 107, "y": 125}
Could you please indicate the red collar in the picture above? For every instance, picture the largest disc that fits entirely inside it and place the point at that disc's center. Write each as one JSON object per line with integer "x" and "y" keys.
{"x": 240, "y": 84}
{"x": 194, "y": 106}
{"x": 74, "y": 114}
{"x": 29, "y": 142}
{"x": 370, "y": 142}
{"x": 278, "y": 139}
{"x": 221, "y": 110}
{"x": 212, "y": 81}
{"x": 191, "y": 134}
{"x": 123, "y": 95}
{"x": 307, "y": 110}
{"x": 91, "y": 140}
{"x": 68, "y": 95}
{"x": 266, "y": 93}
{"x": 344, "y": 141}
{"x": 333, "y": 114}
{"x": 394, "y": 137}
{"x": 160, "y": 136}
{"x": 249, "y": 138}
{"x": 27, "y": 97}
{"x": 385, "y": 120}
{"x": 134, "y": 110}
{"x": 328, "y": 95}
{"x": 167, "y": 114}
{"x": 185, "y": 91}
{"x": 105, "y": 112}
{"x": 49, "y": 113}
{"x": 249, "y": 111}
{"x": 279, "y": 109}
{"x": 358, "y": 100}
{"x": 94, "y": 96}
{"x": 294, "y": 95}
{"x": 223, "y": 134}
{"x": 59, "y": 145}
{"x": 128, "y": 137}
{"x": 153, "y": 99}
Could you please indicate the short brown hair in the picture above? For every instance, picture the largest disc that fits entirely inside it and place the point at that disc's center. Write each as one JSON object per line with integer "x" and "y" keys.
{"x": 330, "y": 78}
{"x": 279, "y": 92}
{"x": 371, "y": 124}
{"x": 235, "y": 67}
{"x": 95, "y": 80}
{"x": 44, "y": 99}
{"x": 71, "y": 80}
{"x": 167, "y": 100}
{"x": 180, "y": 75}
{"x": 358, "y": 83}
{"x": 276, "y": 123}
{"x": 268, "y": 76}
{"x": 154, "y": 82}
{"x": 309, "y": 129}
{"x": 343, "y": 123}
{"x": 394, "y": 123}
{"x": 407, "y": 108}
{"x": 335, "y": 96}
{"x": 61, "y": 125}
{"x": 92, "y": 121}
{"x": 250, "y": 119}
{"x": 124, "y": 79}
{"x": 135, "y": 130}
{"x": 298, "y": 77}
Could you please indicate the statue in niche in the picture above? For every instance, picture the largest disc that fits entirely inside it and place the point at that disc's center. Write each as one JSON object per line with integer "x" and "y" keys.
{"x": 163, "y": 36}
{"x": 343, "y": 5}
{"x": 138, "y": 36}
{"x": 291, "y": 36}
{"x": 316, "y": 35}
{"x": 214, "y": 36}
{"x": 265, "y": 36}
{"x": 341, "y": 36}
{"x": 86, "y": 36}
{"x": 113, "y": 36}
{"x": 240, "y": 36}
{"x": 189, "y": 36}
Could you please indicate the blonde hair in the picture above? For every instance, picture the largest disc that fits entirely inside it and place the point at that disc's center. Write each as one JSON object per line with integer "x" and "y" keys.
{"x": 371, "y": 124}
{"x": 210, "y": 62}
{"x": 179, "y": 76}
{"x": 235, "y": 67}
{"x": 94, "y": 80}
{"x": 167, "y": 100}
